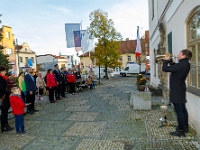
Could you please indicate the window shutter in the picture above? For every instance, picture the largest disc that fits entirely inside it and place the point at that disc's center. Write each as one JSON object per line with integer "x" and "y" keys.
{"x": 170, "y": 42}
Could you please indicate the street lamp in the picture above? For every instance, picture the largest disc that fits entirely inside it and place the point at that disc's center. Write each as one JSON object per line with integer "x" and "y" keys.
{"x": 17, "y": 51}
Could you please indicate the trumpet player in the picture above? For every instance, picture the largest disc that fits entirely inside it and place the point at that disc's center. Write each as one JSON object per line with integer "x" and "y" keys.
{"x": 179, "y": 72}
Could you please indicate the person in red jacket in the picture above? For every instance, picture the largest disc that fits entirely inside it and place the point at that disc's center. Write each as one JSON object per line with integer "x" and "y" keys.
{"x": 71, "y": 79}
{"x": 51, "y": 85}
{"x": 18, "y": 105}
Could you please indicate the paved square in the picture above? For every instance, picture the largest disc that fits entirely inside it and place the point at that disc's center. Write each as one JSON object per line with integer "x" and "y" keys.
{"x": 86, "y": 129}
{"x": 78, "y": 108}
{"x": 83, "y": 116}
{"x": 91, "y": 144}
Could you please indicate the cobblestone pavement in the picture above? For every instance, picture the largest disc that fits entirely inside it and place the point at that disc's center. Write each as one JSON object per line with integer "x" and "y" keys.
{"x": 99, "y": 119}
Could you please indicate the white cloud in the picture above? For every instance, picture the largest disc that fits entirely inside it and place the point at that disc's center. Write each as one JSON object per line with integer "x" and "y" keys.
{"x": 62, "y": 9}
{"x": 127, "y": 16}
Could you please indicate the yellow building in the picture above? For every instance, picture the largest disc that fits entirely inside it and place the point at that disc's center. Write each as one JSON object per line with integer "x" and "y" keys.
{"x": 127, "y": 50}
{"x": 8, "y": 44}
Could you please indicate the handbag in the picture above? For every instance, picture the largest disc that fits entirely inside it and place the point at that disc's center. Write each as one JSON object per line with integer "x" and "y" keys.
{"x": 1, "y": 101}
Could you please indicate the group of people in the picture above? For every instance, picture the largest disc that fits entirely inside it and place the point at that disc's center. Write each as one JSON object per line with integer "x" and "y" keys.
{"x": 22, "y": 94}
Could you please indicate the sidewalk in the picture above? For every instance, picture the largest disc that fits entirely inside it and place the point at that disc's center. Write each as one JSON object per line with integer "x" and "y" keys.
{"x": 99, "y": 119}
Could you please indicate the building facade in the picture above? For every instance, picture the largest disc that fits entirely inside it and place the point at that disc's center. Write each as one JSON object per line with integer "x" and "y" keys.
{"x": 23, "y": 54}
{"x": 8, "y": 44}
{"x": 47, "y": 61}
{"x": 127, "y": 53}
{"x": 175, "y": 25}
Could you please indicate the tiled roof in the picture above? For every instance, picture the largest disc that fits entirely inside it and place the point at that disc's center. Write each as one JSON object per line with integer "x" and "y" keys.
{"x": 127, "y": 46}
{"x": 58, "y": 57}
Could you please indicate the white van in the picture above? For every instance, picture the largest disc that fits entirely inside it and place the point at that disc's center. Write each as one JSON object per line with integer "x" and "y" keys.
{"x": 132, "y": 69}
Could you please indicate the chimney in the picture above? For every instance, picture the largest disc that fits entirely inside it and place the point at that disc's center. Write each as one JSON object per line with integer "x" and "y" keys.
{"x": 127, "y": 39}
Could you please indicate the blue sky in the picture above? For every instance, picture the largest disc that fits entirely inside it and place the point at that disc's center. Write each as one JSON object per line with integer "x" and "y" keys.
{"x": 41, "y": 23}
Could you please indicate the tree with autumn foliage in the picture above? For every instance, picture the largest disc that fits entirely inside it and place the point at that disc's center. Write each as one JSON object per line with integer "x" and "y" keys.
{"x": 106, "y": 50}
{"x": 3, "y": 58}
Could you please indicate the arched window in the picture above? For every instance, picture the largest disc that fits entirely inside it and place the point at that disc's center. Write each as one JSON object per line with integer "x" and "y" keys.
{"x": 194, "y": 46}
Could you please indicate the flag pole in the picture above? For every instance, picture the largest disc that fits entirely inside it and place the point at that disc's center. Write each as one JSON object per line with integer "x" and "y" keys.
{"x": 82, "y": 44}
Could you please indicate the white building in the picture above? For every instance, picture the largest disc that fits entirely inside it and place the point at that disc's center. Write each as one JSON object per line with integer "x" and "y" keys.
{"x": 175, "y": 25}
{"x": 23, "y": 54}
{"x": 47, "y": 61}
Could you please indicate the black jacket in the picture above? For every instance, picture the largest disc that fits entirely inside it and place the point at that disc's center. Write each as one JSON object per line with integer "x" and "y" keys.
{"x": 3, "y": 90}
{"x": 62, "y": 77}
{"x": 179, "y": 72}
{"x": 57, "y": 74}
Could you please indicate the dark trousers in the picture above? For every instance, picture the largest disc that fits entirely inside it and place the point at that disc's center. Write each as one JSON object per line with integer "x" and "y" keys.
{"x": 63, "y": 89}
{"x": 19, "y": 123}
{"x": 71, "y": 87}
{"x": 57, "y": 90}
{"x": 67, "y": 86}
{"x": 51, "y": 94}
{"x": 182, "y": 115}
{"x": 30, "y": 99}
{"x": 4, "y": 117}
{"x": 40, "y": 91}
{"x": 23, "y": 96}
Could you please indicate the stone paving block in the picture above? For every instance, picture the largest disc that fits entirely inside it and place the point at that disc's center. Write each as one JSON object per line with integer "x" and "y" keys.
{"x": 9, "y": 141}
{"x": 124, "y": 130}
{"x": 91, "y": 144}
{"x": 86, "y": 129}
{"x": 78, "y": 108}
{"x": 122, "y": 105}
{"x": 77, "y": 102}
{"x": 53, "y": 143}
{"x": 53, "y": 115}
{"x": 50, "y": 128}
{"x": 154, "y": 131}
{"x": 141, "y": 100}
{"x": 83, "y": 116}
{"x": 114, "y": 116}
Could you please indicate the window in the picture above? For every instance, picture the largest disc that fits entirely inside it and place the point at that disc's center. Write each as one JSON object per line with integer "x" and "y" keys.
{"x": 170, "y": 42}
{"x": 25, "y": 49}
{"x": 121, "y": 59}
{"x": 8, "y": 35}
{"x": 129, "y": 58}
{"x": 127, "y": 68}
{"x": 154, "y": 51}
{"x": 152, "y": 7}
{"x": 62, "y": 65}
{"x": 20, "y": 59}
{"x": 26, "y": 61}
{"x": 33, "y": 60}
{"x": 194, "y": 46}
{"x": 9, "y": 51}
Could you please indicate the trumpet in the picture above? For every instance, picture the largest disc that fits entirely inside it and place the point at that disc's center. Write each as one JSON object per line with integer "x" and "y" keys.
{"x": 172, "y": 57}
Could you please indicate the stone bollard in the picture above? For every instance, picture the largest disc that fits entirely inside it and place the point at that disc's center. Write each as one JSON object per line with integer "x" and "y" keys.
{"x": 140, "y": 100}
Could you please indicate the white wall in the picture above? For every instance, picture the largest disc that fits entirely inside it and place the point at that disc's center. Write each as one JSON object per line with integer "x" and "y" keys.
{"x": 46, "y": 58}
{"x": 176, "y": 21}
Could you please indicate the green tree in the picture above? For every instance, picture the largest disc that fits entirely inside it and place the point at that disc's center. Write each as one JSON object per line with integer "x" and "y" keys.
{"x": 3, "y": 58}
{"x": 107, "y": 48}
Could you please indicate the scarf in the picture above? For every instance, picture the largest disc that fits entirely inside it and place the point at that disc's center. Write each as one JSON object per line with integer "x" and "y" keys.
{"x": 4, "y": 77}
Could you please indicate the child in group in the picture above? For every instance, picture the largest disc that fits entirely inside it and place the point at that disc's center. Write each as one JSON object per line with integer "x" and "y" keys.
{"x": 18, "y": 105}
{"x": 90, "y": 82}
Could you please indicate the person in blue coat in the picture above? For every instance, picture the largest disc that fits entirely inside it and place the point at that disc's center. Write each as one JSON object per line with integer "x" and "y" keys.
{"x": 30, "y": 90}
